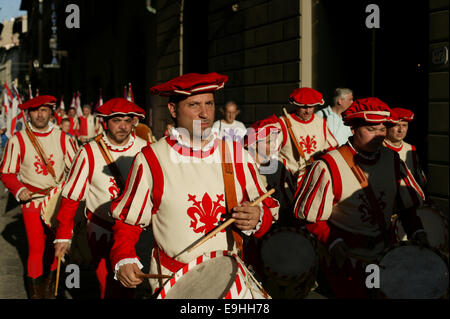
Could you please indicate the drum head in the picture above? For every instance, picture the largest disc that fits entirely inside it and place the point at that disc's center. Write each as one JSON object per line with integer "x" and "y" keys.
{"x": 411, "y": 272}
{"x": 211, "y": 279}
{"x": 288, "y": 253}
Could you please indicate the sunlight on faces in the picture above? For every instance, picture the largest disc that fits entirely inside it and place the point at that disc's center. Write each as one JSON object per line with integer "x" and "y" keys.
{"x": 194, "y": 114}
{"x": 398, "y": 132}
{"x": 39, "y": 117}
{"x": 119, "y": 129}
{"x": 369, "y": 137}
{"x": 346, "y": 101}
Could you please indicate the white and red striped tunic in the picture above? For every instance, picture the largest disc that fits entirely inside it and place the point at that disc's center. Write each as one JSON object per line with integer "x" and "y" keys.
{"x": 331, "y": 194}
{"x": 408, "y": 154}
{"x": 91, "y": 180}
{"x": 180, "y": 193}
{"x": 89, "y": 126}
{"x": 22, "y": 166}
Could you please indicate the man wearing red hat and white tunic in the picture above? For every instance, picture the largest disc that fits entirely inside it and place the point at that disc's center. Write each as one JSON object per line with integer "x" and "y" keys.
{"x": 395, "y": 141}
{"x": 176, "y": 186}
{"x": 301, "y": 127}
{"x": 89, "y": 125}
{"x": 349, "y": 210}
{"x": 28, "y": 178}
{"x": 97, "y": 177}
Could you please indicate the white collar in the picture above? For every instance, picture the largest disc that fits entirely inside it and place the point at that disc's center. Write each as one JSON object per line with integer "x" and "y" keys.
{"x": 174, "y": 134}
{"x": 117, "y": 147}
{"x": 50, "y": 127}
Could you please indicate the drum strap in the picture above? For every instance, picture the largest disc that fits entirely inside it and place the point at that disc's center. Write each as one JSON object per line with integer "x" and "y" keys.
{"x": 110, "y": 162}
{"x": 230, "y": 191}
{"x": 292, "y": 135}
{"x": 377, "y": 213}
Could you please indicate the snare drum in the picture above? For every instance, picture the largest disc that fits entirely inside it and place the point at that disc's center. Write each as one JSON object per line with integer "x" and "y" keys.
{"x": 50, "y": 206}
{"x": 290, "y": 262}
{"x": 215, "y": 275}
{"x": 410, "y": 272}
{"x": 434, "y": 224}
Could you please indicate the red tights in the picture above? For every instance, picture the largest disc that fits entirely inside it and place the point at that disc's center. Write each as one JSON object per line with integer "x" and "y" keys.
{"x": 41, "y": 253}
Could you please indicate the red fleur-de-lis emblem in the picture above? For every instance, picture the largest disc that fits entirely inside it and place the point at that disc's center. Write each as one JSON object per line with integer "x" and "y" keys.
{"x": 40, "y": 167}
{"x": 113, "y": 189}
{"x": 308, "y": 144}
{"x": 365, "y": 209}
{"x": 205, "y": 214}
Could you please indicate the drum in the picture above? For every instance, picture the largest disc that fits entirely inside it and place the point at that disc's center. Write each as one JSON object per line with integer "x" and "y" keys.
{"x": 290, "y": 263}
{"x": 50, "y": 206}
{"x": 215, "y": 275}
{"x": 435, "y": 225}
{"x": 410, "y": 272}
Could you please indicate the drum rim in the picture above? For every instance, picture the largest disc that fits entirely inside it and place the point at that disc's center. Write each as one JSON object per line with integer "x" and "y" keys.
{"x": 300, "y": 230}
{"x": 411, "y": 243}
{"x": 193, "y": 264}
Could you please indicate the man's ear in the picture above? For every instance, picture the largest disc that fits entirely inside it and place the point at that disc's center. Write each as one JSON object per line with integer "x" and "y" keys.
{"x": 172, "y": 109}
{"x": 237, "y": 112}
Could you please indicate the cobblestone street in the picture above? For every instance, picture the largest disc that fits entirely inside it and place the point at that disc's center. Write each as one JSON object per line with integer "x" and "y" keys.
{"x": 13, "y": 257}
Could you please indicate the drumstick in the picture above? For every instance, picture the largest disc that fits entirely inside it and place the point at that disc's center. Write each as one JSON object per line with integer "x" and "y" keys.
{"x": 57, "y": 275}
{"x": 229, "y": 221}
{"x": 143, "y": 276}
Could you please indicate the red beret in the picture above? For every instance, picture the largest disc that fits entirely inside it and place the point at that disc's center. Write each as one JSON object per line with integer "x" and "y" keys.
{"x": 119, "y": 106}
{"x": 370, "y": 109}
{"x": 306, "y": 97}
{"x": 41, "y": 100}
{"x": 401, "y": 114}
{"x": 262, "y": 129}
{"x": 191, "y": 83}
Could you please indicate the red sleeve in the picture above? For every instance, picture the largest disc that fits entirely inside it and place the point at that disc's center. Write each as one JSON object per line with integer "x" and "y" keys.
{"x": 125, "y": 238}
{"x": 65, "y": 217}
{"x": 266, "y": 222}
{"x": 325, "y": 232}
{"x": 12, "y": 183}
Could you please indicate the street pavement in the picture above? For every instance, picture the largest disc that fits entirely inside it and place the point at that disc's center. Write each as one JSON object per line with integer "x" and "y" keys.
{"x": 14, "y": 251}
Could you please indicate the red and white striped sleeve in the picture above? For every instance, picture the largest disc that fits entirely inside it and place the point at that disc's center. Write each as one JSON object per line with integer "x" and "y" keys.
{"x": 136, "y": 204}
{"x": 71, "y": 151}
{"x": 270, "y": 206}
{"x": 78, "y": 180}
{"x": 12, "y": 157}
{"x": 409, "y": 191}
{"x": 10, "y": 165}
{"x": 314, "y": 197}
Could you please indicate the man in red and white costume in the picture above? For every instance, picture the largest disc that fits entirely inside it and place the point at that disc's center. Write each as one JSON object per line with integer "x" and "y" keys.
{"x": 89, "y": 125}
{"x": 93, "y": 181}
{"x": 24, "y": 174}
{"x": 395, "y": 141}
{"x": 311, "y": 133}
{"x": 339, "y": 212}
{"x": 176, "y": 186}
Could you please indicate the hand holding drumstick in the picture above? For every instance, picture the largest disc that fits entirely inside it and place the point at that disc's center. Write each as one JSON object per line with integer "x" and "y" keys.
{"x": 245, "y": 217}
